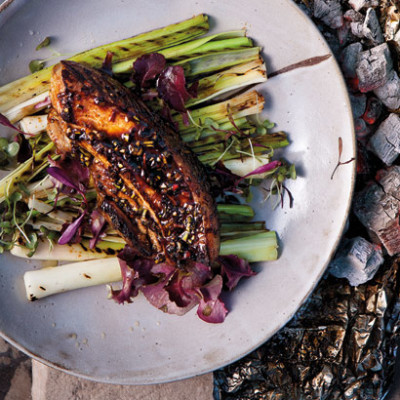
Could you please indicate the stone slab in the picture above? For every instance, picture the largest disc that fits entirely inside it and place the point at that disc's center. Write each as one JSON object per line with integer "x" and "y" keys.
{"x": 15, "y": 373}
{"x": 51, "y": 384}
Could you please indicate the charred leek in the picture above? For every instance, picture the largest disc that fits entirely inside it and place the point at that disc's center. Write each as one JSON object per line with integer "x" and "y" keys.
{"x": 48, "y": 281}
{"x": 26, "y": 88}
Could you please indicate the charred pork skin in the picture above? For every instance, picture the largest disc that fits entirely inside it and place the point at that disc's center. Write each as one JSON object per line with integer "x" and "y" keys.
{"x": 150, "y": 186}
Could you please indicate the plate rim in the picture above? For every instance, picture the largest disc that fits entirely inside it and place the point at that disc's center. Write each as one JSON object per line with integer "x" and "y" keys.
{"x": 3, "y": 7}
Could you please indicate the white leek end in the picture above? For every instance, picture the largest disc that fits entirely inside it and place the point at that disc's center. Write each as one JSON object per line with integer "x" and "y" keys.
{"x": 34, "y": 125}
{"x": 244, "y": 166}
{"x": 48, "y": 281}
{"x": 27, "y": 107}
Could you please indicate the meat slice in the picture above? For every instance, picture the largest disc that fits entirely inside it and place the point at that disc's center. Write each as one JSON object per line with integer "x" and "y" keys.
{"x": 150, "y": 186}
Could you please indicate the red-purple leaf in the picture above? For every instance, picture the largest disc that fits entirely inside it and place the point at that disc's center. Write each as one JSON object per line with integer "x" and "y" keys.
{"x": 182, "y": 288}
{"x": 137, "y": 274}
{"x": 71, "y": 174}
{"x": 170, "y": 289}
{"x": 192, "y": 89}
{"x": 61, "y": 176}
{"x": 158, "y": 295}
{"x": 147, "y": 68}
{"x": 211, "y": 308}
{"x": 125, "y": 294}
{"x": 71, "y": 230}
{"x": 6, "y": 122}
{"x": 264, "y": 168}
{"x": 233, "y": 269}
{"x": 178, "y": 291}
{"x": 128, "y": 254}
{"x": 171, "y": 86}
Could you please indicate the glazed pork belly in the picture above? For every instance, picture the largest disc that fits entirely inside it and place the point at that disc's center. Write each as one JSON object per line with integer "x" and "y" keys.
{"x": 150, "y": 187}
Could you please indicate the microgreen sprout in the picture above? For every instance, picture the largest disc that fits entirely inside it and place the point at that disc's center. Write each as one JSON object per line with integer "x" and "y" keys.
{"x": 51, "y": 236}
{"x": 207, "y": 126}
{"x": 263, "y": 127}
{"x": 276, "y": 183}
{"x": 224, "y": 152}
{"x": 38, "y": 65}
{"x": 339, "y": 163}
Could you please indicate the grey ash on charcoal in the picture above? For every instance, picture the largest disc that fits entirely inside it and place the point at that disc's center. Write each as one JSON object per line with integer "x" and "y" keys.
{"x": 342, "y": 343}
{"x": 365, "y": 37}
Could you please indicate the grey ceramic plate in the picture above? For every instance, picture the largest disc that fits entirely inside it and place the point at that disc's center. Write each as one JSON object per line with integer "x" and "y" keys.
{"x": 86, "y": 334}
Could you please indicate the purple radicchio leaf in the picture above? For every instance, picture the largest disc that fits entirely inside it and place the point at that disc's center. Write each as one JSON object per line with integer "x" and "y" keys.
{"x": 192, "y": 89}
{"x": 182, "y": 288}
{"x": 233, "y": 269}
{"x": 171, "y": 86}
{"x": 156, "y": 294}
{"x": 211, "y": 309}
{"x": 177, "y": 292}
{"x": 135, "y": 273}
{"x": 97, "y": 225}
{"x": 71, "y": 230}
{"x": 128, "y": 254}
{"x": 148, "y": 67}
{"x": 125, "y": 294}
{"x": 73, "y": 168}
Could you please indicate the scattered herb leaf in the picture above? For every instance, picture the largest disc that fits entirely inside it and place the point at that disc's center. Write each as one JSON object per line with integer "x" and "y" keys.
{"x": 44, "y": 43}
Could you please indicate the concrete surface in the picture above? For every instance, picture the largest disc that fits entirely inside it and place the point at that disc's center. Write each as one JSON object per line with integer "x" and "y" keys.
{"x": 50, "y": 384}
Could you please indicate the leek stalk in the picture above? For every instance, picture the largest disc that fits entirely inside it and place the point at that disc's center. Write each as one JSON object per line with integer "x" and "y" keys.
{"x": 35, "y": 84}
{"x": 234, "y": 78}
{"x": 255, "y": 248}
{"x": 48, "y": 281}
{"x": 211, "y": 43}
{"x": 52, "y": 280}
